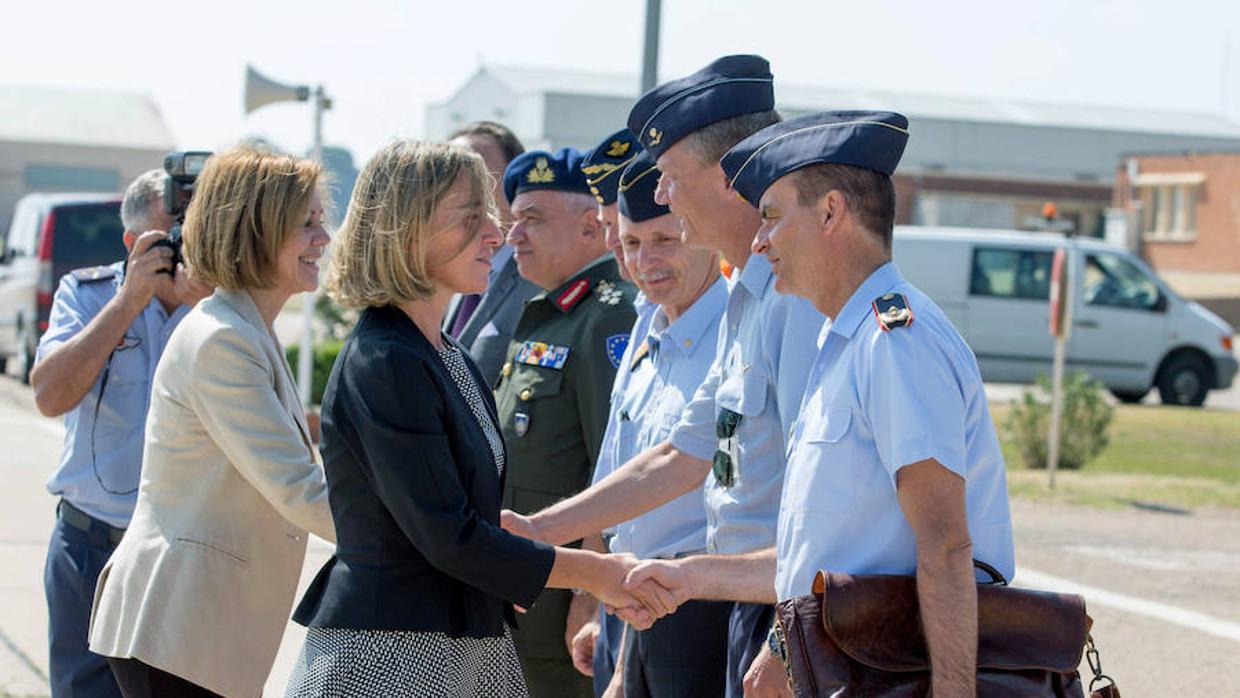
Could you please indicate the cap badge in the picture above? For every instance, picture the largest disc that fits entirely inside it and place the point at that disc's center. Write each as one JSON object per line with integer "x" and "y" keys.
{"x": 618, "y": 149}
{"x": 654, "y": 136}
{"x": 542, "y": 173}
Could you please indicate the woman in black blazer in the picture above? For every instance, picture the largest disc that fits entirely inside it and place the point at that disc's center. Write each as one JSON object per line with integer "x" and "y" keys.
{"x": 418, "y": 598}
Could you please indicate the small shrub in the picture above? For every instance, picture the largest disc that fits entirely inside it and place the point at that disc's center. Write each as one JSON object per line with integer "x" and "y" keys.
{"x": 324, "y": 357}
{"x": 1082, "y": 428}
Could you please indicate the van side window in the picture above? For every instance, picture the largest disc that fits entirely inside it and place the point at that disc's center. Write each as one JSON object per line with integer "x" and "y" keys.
{"x": 1008, "y": 273}
{"x": 1112, "y": 281}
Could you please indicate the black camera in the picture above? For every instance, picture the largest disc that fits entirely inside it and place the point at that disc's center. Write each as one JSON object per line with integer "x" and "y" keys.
{"x": 183, "y": 168}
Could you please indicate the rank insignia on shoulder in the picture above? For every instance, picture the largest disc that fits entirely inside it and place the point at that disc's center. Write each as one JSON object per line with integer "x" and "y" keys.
{"x": 520, "y": 423}
{"x": 89, "y": 274}
{"x": 892, "y": 311}
{"x": 573, "y": 294}
{"x": 616, "y": 344}
{"x": 541, "y": 354}
{"x": 608, "y": 293}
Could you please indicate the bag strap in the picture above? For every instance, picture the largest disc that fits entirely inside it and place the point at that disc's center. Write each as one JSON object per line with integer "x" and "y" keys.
{"x": 996, "y": 577}
{"x": 1095, "y": 665}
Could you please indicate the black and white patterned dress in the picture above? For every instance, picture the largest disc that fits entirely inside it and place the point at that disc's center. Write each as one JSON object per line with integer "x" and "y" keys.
{"x": 344, "y": 662}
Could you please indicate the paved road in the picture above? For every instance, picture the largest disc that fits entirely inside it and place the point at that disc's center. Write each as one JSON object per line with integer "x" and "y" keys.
{"x": 1162, "y": 588}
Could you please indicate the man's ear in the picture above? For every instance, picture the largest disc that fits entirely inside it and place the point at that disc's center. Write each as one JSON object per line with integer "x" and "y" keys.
{"x": 129, "y": 239}
{"x": 831, "y": 210}
{"x": 589, "y": 224}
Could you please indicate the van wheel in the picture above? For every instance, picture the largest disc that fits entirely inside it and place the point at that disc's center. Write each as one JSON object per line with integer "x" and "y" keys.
{"x": 1184, "y": 381}
{"x": 1130, "y": 397}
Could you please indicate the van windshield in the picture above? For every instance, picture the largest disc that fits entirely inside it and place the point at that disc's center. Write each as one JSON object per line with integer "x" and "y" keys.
{"x": 87, "y": 235}
{"x": 1114, "y": 282}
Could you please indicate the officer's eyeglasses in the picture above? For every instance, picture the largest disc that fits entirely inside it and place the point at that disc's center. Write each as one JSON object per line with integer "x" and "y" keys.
{"x": 723, "y": 465}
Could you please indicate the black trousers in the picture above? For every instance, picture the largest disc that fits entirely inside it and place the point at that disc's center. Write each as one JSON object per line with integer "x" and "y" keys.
{"x": 684, "y": 655}
{"x": 747, "y": 633}
{"x": 140, "y": 680}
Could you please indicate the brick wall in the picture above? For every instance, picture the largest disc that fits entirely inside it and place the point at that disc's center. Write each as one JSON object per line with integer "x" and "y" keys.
{"x": 1216, "y": 248}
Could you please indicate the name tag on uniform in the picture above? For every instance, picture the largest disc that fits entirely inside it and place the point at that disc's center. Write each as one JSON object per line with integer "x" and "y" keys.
{"x": 541, "y": 354}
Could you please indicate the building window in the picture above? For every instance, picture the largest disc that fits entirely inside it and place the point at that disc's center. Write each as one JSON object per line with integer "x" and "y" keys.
{"x": 1169, "y": 205}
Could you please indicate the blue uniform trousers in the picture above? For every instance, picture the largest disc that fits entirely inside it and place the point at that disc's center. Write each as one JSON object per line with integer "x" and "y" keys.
{"x": 74, "y": 560}
{"x": 684, "y": 655}
{"x": 747, "y": 630}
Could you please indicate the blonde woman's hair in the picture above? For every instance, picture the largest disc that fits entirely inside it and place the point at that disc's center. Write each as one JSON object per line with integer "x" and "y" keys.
{"x": 247, "y": 203}
{"x": 379, "y": 254}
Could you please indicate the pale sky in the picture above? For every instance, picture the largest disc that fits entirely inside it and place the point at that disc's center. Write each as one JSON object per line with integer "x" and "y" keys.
{"x": 383, "y": 61}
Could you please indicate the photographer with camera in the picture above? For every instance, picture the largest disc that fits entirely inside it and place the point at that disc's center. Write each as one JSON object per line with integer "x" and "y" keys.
{"x": 94, "y": 364}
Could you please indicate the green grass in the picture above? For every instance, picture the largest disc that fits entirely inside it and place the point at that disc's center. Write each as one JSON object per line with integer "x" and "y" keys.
{"x": 1168, "y": 456}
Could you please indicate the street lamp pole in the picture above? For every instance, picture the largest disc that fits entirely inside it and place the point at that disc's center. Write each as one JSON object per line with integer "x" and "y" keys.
{"x": 305, "y": 354}
{"x": 650, "y": 52}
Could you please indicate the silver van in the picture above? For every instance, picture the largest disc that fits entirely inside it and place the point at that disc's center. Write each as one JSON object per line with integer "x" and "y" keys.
{"x": 1130, "y": 330}
{"x": 51, "y": 235}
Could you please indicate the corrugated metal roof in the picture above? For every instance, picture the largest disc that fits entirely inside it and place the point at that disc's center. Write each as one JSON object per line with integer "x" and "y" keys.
{"x": 82, "y": 117}
{"x": 803, "y": 98}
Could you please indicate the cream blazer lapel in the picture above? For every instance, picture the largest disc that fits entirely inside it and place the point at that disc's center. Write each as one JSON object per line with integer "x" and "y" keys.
{"x": 285, "y": 386}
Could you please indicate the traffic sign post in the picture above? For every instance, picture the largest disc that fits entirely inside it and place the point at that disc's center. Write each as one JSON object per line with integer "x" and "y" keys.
{"x": 1060, "y": 329}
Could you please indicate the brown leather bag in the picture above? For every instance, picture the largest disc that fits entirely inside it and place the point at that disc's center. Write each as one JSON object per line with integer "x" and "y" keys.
{"x": 860, "y": 636}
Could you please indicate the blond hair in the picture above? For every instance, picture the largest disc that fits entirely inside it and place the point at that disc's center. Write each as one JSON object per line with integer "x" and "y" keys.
{"x": 379, "y": 254}
{"x": 247, "y": 203}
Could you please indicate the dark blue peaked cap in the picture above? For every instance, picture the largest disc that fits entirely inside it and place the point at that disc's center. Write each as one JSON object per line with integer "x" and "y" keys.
{"x": 603, "y": 165}
{"x": 874, "y": 140}
{"x": 728, "y": 87}
{"x": 538, "y": 169}
{"x": 637, "y": 185}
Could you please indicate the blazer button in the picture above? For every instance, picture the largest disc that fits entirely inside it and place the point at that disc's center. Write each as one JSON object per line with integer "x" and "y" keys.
{"x": 507, "y": 370}
{"x": 527, "y": 394}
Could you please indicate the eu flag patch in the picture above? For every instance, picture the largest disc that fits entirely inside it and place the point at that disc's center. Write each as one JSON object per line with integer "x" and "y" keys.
{"x": 616, "y": 344}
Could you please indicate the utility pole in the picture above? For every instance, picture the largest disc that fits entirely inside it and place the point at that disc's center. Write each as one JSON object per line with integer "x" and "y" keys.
{"x": 650, "y": 52}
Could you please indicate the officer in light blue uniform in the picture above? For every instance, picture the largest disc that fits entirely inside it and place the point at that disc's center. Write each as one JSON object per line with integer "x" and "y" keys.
{"x": 740, "y": 416}
{"x": 894, "y": 449}
{"x": 667, "y": 359}
{"x": 105, "y": 334}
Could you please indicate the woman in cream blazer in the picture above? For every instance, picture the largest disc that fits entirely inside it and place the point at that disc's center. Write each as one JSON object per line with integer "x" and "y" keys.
{"x": 195, "y": 599}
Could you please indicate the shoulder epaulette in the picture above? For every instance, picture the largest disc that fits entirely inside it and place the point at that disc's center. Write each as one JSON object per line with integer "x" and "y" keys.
{"x": 90, "y": 274}
{"x": 892, "y": 311}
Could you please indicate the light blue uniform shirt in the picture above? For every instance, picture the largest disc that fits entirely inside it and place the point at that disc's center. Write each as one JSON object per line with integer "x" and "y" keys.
{"x": 767, "y": 342}
{"x": 879, "y": 401}
{"x": 650, "y": 403}
{"x": 102, "y": 458}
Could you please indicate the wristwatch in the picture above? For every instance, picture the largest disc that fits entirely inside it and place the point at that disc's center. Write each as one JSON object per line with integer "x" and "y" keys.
{"x": 775, "y": 641}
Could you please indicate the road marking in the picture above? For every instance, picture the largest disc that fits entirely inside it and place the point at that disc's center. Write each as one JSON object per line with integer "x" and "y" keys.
{"x": 1111, "y": 599}
{"x": 23, "y": 658}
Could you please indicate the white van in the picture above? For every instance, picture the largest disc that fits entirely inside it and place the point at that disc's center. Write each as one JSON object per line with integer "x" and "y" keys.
{"x": 1130, "y": 330}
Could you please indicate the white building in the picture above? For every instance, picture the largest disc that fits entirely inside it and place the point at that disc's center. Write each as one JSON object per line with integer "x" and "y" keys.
{"x": 65, "y": 140}
{"x": 970, "y": 161}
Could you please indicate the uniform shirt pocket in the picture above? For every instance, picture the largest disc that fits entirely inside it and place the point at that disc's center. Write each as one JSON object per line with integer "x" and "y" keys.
{"x": 823, "y": 476}
{"x": 743, "y": 393}
{"x": 128, "y": 363}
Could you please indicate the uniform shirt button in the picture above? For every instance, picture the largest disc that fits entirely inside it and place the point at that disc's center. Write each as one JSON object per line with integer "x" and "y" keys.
{"x": 507, "y": 369}
{"x": 527, "y": 394}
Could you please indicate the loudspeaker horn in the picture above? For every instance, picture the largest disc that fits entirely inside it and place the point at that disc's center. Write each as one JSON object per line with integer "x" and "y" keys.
{"x": 261, "y": 90}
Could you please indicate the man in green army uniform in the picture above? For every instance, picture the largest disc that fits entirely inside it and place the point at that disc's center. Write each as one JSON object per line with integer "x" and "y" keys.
{"x": 554, "y": 386}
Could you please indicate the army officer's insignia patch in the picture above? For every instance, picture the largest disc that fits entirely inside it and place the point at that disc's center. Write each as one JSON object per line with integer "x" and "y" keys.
{"x": 892, "y": 311}
{"x": 608, "y": 293}
{"x": 616, "y": 345}
{"x": 541, "y": 354}
{"x": 521, "y": 423}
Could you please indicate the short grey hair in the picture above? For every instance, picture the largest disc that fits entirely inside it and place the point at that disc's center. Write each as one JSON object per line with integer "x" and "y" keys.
{"x": 141, "y": 194}
{"x": 711, "y": 142}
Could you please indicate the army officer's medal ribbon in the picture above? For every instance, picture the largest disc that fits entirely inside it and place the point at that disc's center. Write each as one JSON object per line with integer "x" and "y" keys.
{"x": 541, "y": 354}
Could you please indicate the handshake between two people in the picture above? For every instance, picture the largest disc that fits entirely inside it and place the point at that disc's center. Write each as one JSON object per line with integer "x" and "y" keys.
{"x": 639, "y": 592}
